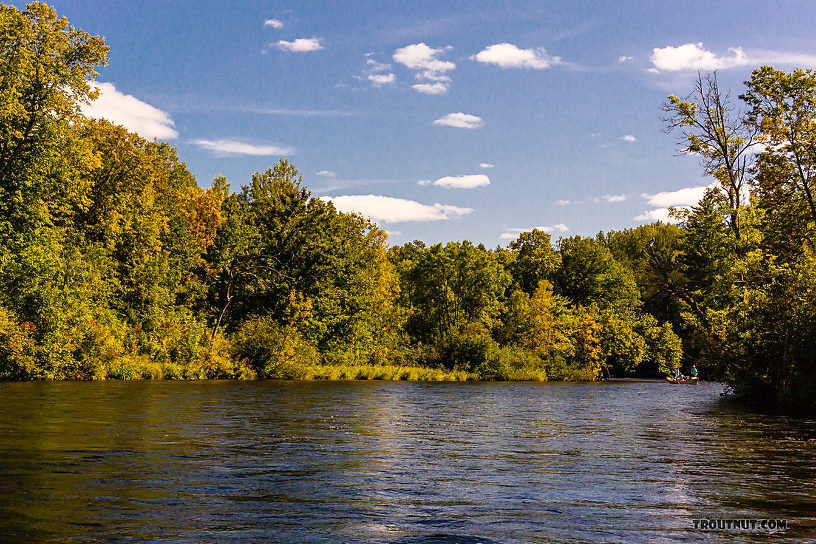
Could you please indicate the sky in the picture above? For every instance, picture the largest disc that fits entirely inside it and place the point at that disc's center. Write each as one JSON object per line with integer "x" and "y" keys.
{"x": 439, "y": 120}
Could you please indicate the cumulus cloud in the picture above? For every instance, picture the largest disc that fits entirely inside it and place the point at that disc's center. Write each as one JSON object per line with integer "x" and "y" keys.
{"x": 395, "y": 210}
{"x": 431, "y": 88}
{"x": 459, "y": 120}
{"x": 273, "y": 23}
{"x": 612, "y": 198}
{"x": 507, "y": 55}
{"x": 376, "y": 66}
{"x": 682, "y": 197}
{"x": 629, "y": 138}
{"x": 693, "y": 56}
{"x": 326, "y": 173}
{"x": 300, "y": 45}
{"x": 378, "y": 73}
{"x": 513, "y": 233}
{"x": 235, "y": 147}
{"x": 623, "y": 58}
{"x": 130, "y": 112}
{"x": 459, "y": 182}
{"x": 424, "y": 60}
{"x": 381, "y": 79}
{"x": 659, "y": 214}
{"x": 485, "y": 165}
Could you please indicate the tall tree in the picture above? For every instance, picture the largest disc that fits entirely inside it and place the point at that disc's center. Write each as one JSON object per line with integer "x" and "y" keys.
{"x": 534, "y": 259}
{"x": 712, "y": 127}
{"x": 452, "y": 286}
{"x": 281, "y": 253}
{"x": 590, "y": 274}
{"x": 46, "y": 67}
{"x": 783, "y": 106}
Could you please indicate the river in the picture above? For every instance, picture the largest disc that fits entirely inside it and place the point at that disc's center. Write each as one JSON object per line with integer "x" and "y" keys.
{"x": 396, "y": 462}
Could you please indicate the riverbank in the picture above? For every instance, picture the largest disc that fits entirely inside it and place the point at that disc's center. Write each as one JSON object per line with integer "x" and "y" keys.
{"x": 140, "y": 369}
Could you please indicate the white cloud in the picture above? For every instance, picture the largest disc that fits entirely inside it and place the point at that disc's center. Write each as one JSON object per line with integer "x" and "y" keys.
{"x": 326, "y": 173}
{"x": 624, "y": 58}
{"x": 423, "y": 59}
{"x": 459, "y": 120}
{"x": 461, "y": 182}
{"x": 130, "y": 112}
{"x": 613, "y": 198}
{"x": 395, "y": 210}
{"x": 682, "y": 197}
{"x": 692, "y": 56}
{"x": 273, "y": 23}
{"x": 235, "y": 147}
{"x": 660, "y": 214}
{"x": 508, "y": 55}
{"x": 375, "y": 66}
{"x": 629, "y": 138}
{"x": 381, "y": 79}
{"x": 431, "y": 88}
{"x": 375, "y": 73}
{"x": 653, "y": 71}
{"x": 300, "y": 45}
{"x": 513, "y": 233}
{"x": 485, "y": 165}
{"x": 563, "y": 202}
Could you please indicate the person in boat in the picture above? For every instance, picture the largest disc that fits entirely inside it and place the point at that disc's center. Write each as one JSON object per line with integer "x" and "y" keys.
{"x": 676, "y": 374}
{"x": 694, "y": 371}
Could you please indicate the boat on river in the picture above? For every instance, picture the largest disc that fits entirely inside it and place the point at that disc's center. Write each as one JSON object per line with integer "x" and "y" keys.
{"x": 686, "y": 381}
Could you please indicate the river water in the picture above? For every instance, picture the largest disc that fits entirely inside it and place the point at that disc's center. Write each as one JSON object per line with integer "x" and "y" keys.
{"x": 395, "y": 462}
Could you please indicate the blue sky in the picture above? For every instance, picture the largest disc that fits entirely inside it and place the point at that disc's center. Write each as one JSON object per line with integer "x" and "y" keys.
{"x": 441, "y": 120}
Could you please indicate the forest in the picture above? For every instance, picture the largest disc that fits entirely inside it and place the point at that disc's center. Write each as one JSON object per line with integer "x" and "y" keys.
{"x": 116, "y": 264}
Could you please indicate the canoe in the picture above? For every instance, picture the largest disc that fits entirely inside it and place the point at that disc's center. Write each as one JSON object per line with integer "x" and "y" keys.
{"x": 683, "y": 381}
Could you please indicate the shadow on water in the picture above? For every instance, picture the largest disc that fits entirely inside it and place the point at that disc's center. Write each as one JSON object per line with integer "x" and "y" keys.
{"x": 382, "y": 462}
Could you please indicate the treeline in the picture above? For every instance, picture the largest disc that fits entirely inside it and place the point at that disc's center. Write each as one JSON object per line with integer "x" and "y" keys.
{"x": 115, "y": 264}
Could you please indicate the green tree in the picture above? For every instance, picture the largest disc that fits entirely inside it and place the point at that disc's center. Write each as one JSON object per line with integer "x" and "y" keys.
{"x": 280, "y": 251}
{"x": 783, "y": 107}
{"x": 449, "y": 287}
{"x": 534, "y": 259}
{"x": 46, "y": 67}
{"x": 721, "y": 136}
{"x": 634, "y": 249}
{"x": 590, "y": 274}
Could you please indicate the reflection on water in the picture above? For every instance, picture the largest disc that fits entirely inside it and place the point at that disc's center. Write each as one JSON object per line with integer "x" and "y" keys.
{"x": 397, "y": 462}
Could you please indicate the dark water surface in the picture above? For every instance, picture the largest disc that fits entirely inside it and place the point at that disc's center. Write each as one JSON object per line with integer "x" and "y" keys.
{"x": 395, "y": 462}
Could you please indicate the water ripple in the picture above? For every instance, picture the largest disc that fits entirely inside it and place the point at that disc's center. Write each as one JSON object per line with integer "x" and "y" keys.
{"x": 403, "y": 463}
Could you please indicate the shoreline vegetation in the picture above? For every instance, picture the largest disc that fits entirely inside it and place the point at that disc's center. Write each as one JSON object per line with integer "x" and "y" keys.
{"x": 115, "y": 264}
